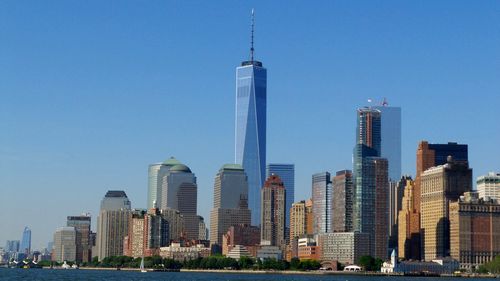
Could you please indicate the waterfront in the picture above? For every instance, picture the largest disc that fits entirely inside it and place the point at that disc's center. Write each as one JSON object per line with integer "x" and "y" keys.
{"x": 112, "y": 275}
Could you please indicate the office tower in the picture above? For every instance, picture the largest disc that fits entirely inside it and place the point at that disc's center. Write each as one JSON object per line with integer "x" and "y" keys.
{"x": 441, "y": 185}
{"x": 391, "y": 138}
{"x": 250, "y": 131}
{"x": 342, "y": 201}
{"x": 65, "y": 244}
{"x": 309, "y": 217}
{"x": 25, "y": 247}
{"x": 298, "y": 221}
{"x": 371, "y": 182}
{"x": 156, "y": 172}
{"x": 175, "y": 223}
{"x": 273, "y": 213}
{"x": 396, "y": 191}
{"x": 344, "y": 247}
{"x": 112, "y": 224}
{"x": 82, "y": 240}
{"x": 287, "y": 174}
{"x": 431, "y": 155}
{"x": 322, "y": 202}
{"x": 12, "y": 246}
{"x": 230, "y": 201}
{"x": 489, "y": 186}
{"x": 474, "y": 230}
{"x": 409, "y": 224}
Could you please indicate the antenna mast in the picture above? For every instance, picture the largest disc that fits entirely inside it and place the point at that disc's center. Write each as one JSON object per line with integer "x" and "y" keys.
{"x": 251, "y": 39}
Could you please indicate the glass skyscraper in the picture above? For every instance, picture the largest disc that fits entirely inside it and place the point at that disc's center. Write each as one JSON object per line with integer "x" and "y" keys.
{"x": 250, "y": 131}
{"x": 391, "y": 138}
{"x": 287, "y": 174}
{"x": 322, "y": 202}
{"x": 25, "y": 246}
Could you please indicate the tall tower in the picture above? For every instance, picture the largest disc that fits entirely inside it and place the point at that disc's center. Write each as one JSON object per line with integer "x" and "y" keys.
{"x": 250, "y": 131}
{"x": 322, "y": 202}
{"x": 371, "y": 182}
{"x": 230, "y": 201}
{"x": 82, "y": 232}
{"x": 273, "y": 212}
{"x": 156, "y": 172}
{"x": 25, "y": 247}
{"x": 342, "y": 202}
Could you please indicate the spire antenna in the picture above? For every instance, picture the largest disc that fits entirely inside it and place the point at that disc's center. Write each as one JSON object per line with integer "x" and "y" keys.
{"x": 251, "y": 39}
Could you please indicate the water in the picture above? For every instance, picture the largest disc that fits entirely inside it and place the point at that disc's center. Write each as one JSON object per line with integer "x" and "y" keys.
{"x": 105, "y": 275}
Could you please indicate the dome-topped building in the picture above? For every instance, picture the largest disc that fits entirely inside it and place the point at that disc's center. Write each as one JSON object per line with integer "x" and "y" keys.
{"x": 180, "y": 168}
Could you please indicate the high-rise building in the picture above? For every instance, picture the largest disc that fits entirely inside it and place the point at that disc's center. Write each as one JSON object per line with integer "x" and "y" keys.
{"x": 135, "y": 241}
{"x": 298, "y": 220}
{"x": 273, "y": 215}
{"x": 250, "y": 131}
{"x": 287, "y": 174}
{"x": 474, "y": 230}
{"x": 25, "y": 247}
{"x": 65, "y": 244}
{"x": 409, "y": 224}
{"x": 391, "y": 138}
{"x": 322, "y": 202}
{"x": 112, "y": 224}
{"x": 396, "y": 191}
{"x": 342, "y": 201}
{"x": 309, "y": 217}
{"x": 12, "y": 246}
{"x": 230, "y": 201}
{"x": 371, "y": 182}
{"x": 428, "y": 156}
{"x": 82, "y": 239}
{"x": 489, "y": 186}
{"x": 441, "y": 185}
{"x": 175, "y": 223}
{"x": 156, "y": 172}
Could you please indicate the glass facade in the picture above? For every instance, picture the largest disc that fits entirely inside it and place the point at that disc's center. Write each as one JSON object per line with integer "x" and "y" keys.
{"x": 322, "y": 202}
{"x": 25, "y": 246}
{"x": 250, "y": 131}
{"x": 287, "y": 174}
{"x": 391, "y": 139}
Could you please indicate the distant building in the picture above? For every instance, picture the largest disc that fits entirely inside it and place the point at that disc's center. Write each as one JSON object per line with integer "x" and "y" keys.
{"x": 322, "y": 202}
{"x": 269, "y": 252}
{"x": 474, "y": 230}
{"x": 175, "y": 222}
{"x": 230, "y": 201}
{"x": 431, "y": 155}
{"x": 156, "y": 172}
{"x": 308, "y": 249}
{"x": 179, "y": 253}
{"x": 344, "y": 247}
{"x": 12, "y": 246}
{"x": 25, "y": 247}
{"x": 342, "y": 201}
{"x": 408, "y": 220}
{"x": 237, "y": 252}
{"x": 396, "y": 191}
{"x": 298, "y": 226}
{"x": 440, "y": 186}
{"x": 273, "y": 214}
{"x": 245, "y": 235}
{"x": 112, "y": 224}
{"x": 436, "y": 266}
{"x": 489, "y": 186}
{"x": 287, "y": 174}
{"x": 82, "y": 230}
{"x": 65, "y": 244}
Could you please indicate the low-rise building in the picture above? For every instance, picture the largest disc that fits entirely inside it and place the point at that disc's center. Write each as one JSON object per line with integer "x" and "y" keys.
{"x": 177, "y": 252}
{"x": 307, "y": 249}
{"x": 436, "y": 266}
{"x": 345, "y": 247}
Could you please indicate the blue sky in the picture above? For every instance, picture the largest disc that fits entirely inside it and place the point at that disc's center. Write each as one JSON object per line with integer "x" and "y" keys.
{"x": 91, "y": 92}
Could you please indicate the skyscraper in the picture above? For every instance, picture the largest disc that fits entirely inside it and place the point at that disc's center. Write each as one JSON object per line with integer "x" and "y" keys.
{"x": 396, "y": 191}
{"x": 440, "y": 186}
{"x": 230, "y": 201}
{"x": 322, "y": 202}
{"x": 112, "y": 224}
{"x": 12, "y": 245}
{"x": 409, "y": 224}
{"x": 250, "y": 131}
{"x": 156, "y": 172}
{"x": 273, "y": 212}
{"x": 287, "y": 174}
{"x": 391, "y": 138}
{"x": 65, "y": 244}
{"x": 489, "y": 186}
{"x": 342, "y": 201}
{"x": 82, "y": 237}
{"x": 25, "y": 247}
{"x": 371, "y": 182}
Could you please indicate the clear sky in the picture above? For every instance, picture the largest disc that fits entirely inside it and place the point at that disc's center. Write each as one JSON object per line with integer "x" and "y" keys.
{"x": 91, "y": 92}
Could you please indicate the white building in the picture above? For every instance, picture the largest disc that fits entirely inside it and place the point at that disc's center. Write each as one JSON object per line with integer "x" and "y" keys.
{"x": 489, "y": 186}
{"x": 65, "y": 244}
{"x": 437, "y": 266}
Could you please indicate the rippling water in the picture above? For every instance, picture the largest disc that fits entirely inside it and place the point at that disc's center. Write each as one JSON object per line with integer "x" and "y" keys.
{"x": 105, "y": 275}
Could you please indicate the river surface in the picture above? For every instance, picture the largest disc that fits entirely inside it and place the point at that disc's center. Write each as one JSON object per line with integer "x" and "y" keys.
{"x": 109, "y": 275}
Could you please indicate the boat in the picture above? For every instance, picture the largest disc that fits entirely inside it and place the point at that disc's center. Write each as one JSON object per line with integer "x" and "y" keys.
{"x": 142, "y": 265}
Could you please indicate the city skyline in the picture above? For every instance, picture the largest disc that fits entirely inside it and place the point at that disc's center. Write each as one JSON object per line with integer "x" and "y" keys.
{"x": 79, "y": 126}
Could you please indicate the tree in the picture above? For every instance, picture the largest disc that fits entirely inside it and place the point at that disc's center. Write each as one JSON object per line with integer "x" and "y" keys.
{"x": 295, "y": 264}
{"x": 491, "y": 267}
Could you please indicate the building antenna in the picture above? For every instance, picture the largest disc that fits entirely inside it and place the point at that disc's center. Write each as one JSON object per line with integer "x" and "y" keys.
{"x": 251, "y": 38}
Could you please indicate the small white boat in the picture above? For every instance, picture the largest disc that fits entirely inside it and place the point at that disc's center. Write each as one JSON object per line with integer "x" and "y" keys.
{"x": 142, "y": 265}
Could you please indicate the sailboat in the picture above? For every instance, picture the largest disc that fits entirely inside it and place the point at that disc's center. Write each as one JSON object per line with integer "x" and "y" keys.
{"x": 142, "y": 265}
